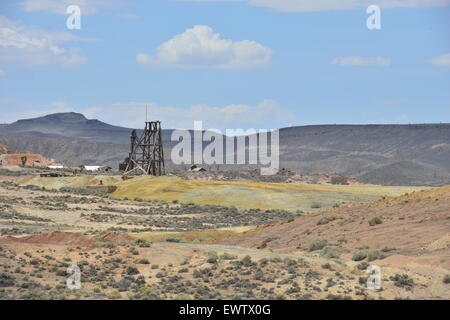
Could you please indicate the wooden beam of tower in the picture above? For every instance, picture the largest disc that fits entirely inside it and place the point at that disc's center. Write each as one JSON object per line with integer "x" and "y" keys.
{"x": 147, "y": 152}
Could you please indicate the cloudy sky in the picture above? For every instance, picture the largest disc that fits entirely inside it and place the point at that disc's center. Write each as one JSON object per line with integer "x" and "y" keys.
{"x": 231, "y": 63}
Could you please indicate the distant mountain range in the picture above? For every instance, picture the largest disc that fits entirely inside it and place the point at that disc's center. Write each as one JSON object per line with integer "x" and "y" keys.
{"x": 381, "y": 154}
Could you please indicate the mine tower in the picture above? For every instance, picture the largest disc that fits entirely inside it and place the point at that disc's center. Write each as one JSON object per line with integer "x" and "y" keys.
{"x": 146, "y": 153}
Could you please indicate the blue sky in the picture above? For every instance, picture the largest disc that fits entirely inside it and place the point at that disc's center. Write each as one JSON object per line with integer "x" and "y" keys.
{"x": 232, "y": 64}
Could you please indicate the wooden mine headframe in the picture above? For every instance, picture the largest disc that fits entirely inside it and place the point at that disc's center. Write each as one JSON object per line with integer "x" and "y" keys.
{"x": 146, "y": 154}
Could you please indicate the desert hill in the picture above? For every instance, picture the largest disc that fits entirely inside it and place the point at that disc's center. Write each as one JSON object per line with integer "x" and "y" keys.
{"x": 70, "y": 151}
{"x": 12, "y": 157}
{"x": 412, "y": 224}
{"x": 67, "y": 125}
{"x": 6, "y": 150}
{"x": 379, "y": 154}
{"x": 71, "y": 125}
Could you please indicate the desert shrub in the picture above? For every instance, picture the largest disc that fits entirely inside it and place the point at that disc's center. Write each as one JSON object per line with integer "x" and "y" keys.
{"x": 133, "y": 251}
{"x": 330, "y": 283}
{"x": 370, "y": 255}
{"x": 276, "y": 260}
{"x": 173, "y": 239}
{"x": 201, "y": 239}
{"x": 6, "y": 280}
{"x": 130, "y": 270}
{"x": 374, "y": 221}
{"x": 114, "y": 295}
{"x": 146, "y": 293}
{"x": 247, "y": 261}
{"x": 326, "y": 266}
{"x": 373, "y": 255}
{"x": 311, "y": 274}
{"x": 316, "y": 205}
{"x": 212, "y": 257}
{"x": 95, "y": 191}
{"x": 362, "y": 266}
{"x": 339, "y": 180}
{"x": 143, "y": 261}
{"x": 290, "y": 262}
{"x": 338, "y": 297}
{"x": 326, "y": 219}
{"x": 317, "y": 244}
{"x": 185, "y": 261}
{"x": 61, "y": 273}
{"x": 155, "y": 266}
{"x": 142, "y": 243}
{"x": 263, "y": 262}
{"x": 331, "y": 252}
{"x": 83, "y": 263}
{"x": 123, "y": 284}
{"x": 228, "y": 256}
{"x": 358, "y": 256}
{"x": 402, "y": 281}
{"x": 446, "y": 279}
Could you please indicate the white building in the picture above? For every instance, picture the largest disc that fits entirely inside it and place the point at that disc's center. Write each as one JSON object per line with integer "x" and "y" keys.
{"x": 96, "y": 168}
{"x": 55, "y": 167}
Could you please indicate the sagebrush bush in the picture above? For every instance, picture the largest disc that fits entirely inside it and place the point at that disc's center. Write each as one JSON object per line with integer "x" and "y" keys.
{"x": 359, "y": 256}
{"x": 318, "y": 244}
{"x": 374, "y": 221}
{"x": 331, "y": 252}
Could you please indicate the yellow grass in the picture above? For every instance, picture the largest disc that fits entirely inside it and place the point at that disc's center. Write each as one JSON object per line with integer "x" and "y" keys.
{"x": 201, "y": 236}
{"x": 246, "y": 195}
{"x": 73, "y": 182}
{"x": 288, "y": 196}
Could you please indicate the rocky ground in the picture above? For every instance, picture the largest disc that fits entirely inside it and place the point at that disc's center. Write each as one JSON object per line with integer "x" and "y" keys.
{"x": 28, "y": 210}
{"x": 135, "y": 269}
{"x": 136, "y": 249}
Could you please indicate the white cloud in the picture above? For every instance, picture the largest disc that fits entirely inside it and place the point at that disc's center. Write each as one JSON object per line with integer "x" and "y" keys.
{"x": 267, "y": 114}
{"x": 443, "y": 60}
{"x": 200, "y": 47}
{"x": 355, "y": 61}
{"x": 329, "y": 5}
{"x": 230, "y": 116}
{"x": 27, "y": 46}
{"x": 60, "y": 6}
